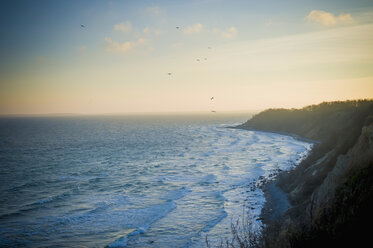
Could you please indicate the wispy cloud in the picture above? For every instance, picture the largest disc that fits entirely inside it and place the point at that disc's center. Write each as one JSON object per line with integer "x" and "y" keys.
{"x": 149, "y": 31}
{"x": 125, "y": 27}
{"x": 328, "y": 19}
{"x": 193, "y": 29}
{"x": 333, "y": 47}
{"x": 155, "y": 10}
{"x": 124, "y": 47}
{"x": 199, "y": 28}
{"x": 227, "y": 33}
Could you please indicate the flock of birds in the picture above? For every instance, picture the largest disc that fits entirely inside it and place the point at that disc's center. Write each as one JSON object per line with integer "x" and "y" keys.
{"x": 170, "y": 73}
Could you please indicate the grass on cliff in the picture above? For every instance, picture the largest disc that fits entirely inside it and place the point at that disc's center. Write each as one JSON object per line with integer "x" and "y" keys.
{"x": 346, "y": 221}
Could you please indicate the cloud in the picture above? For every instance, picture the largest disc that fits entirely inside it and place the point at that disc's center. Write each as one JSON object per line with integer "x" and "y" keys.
{"x": 155, "y": 10}
{"x": 124, "y": 47}
{"x": 345, "y": 19}
{"x": 333, "y": 47}
{"x": 124, "y": 27}
{"x": 194, "y": 29}
{"x": 148, "y": 31}
{"x": 199, "y": 28}
{"x": 229, "y": 33}
{"x": 328, "y": 19}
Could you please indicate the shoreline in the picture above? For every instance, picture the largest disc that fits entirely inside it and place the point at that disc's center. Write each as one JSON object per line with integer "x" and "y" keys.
{"x": 295, "y": 136}
{"x": 276, "y": 200}
{"x": 276, "y": 204}
{"x": 329, "y": 191}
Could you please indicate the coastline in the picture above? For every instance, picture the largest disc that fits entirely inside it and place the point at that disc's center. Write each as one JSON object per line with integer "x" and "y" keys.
{"x": 329, "y": 191}
{"x": 295, "y": 136}
{"x": 277, "y": 202}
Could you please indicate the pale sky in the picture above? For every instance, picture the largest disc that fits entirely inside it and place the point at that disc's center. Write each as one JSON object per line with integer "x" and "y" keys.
{"x": 248, "y": 55}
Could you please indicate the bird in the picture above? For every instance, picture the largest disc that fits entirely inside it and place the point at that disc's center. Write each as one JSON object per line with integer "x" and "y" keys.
{"x": 177, "y": 27}
{"x": 169, "y": 73}
{"x": 213, "y": 111}
{"x": 81, "y": 25}
{"x": 197, "y": 59}
{"x": 212, "y": 98}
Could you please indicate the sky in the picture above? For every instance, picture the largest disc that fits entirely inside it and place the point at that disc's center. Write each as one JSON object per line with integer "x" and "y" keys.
{"x": 103, "y": 57}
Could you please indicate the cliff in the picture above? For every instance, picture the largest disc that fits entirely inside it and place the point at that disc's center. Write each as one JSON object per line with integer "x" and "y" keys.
{"x": 331, "y": 189}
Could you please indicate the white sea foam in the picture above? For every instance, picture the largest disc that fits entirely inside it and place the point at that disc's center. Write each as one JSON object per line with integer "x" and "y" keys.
{"x": 144, "y": 185}
{"x": 119, "y": 243}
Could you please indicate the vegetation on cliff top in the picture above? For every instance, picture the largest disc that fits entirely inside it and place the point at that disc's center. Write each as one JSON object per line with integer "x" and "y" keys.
{"x": 331, "y": 190}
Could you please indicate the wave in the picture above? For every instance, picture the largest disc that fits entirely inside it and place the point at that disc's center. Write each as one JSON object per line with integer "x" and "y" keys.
{"x": 155, "y": 213}
{"x": 49, "y": 199}
{"x": 215, "y": 221}
{"x": 35, "y": 205}
{"x": 121, "y": 242}
{"x": 79, "y": 178}
{"x": 11, "y": 215}
{"x": 207, "y": 227}
{"x": 208, "y": 179}
{"x": 206, "y": 172}
{"x": 176, "y": 194}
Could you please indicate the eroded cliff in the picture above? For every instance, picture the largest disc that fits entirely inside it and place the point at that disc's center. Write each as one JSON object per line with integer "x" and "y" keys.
{"x": 331, "y": 189}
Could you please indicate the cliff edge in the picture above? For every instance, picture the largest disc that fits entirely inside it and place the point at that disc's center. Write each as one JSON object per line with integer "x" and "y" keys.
{"x": 332, "y": 190}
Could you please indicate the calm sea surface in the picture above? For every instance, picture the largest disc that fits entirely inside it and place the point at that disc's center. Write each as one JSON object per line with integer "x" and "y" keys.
{"x": 133, "y": 181}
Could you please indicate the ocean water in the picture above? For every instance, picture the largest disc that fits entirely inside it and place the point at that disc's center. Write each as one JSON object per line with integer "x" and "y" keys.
{"x": 133, "y": 181}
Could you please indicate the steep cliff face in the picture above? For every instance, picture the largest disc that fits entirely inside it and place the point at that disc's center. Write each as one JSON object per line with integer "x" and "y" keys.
{"x": 337, "y": 125}
{"x": 340, "y": 210}
{"x": 330, "y": 189}
{"x": 356, "y": 159}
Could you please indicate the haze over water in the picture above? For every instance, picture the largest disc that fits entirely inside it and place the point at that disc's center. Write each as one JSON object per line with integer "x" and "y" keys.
{"x": 135, "y": 181}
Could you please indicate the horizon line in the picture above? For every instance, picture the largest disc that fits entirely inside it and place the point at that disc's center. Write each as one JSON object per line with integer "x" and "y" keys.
{"x": 140, "y": 113}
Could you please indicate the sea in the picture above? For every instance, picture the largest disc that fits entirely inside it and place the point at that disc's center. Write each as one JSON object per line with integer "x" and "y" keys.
{"x": 136, "y": 180}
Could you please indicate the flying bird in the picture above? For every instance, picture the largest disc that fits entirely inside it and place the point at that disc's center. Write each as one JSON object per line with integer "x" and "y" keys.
{"x": 177, "y": 27}
{"x": 197, "y": 59}
{"x": 169, "y": 73}
{"x": 213, "y": 111}
{"x": 212, "y": 98}
{"x": 81, "y": 25}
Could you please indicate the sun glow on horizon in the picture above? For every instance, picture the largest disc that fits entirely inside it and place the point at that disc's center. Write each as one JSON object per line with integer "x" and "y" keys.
{"x": 130, "y": 57}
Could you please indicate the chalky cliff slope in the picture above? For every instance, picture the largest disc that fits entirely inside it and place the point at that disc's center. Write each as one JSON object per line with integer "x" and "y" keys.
{"x": 331, "y": 191}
